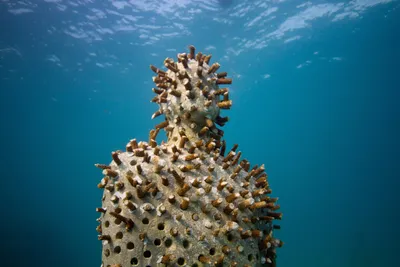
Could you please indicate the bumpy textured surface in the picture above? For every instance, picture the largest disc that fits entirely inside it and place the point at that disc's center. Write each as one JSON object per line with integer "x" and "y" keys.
{"x": 187, "y": 202}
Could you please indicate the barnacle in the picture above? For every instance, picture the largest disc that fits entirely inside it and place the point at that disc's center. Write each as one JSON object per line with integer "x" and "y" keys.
{"x": 187, "y": 201}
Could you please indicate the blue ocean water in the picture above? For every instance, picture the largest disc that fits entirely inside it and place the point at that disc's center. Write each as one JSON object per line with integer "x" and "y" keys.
{"x": 315, "y": 98}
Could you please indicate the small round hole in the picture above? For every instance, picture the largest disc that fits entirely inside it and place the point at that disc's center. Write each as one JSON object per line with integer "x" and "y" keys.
{"x": 145, "y": 221}
{"x": 147, "y": 254}
{"x": 250, "y": 257}
{"x": 106, "y": 224}
{"x": 130, "y": 245}
{"x": 195, "y": 265}
{"x": 157, "y": 241}
{"x": 117, "y": 221}
{"x": 118, "y": 210}
{"x": 119, "y": 235}
{"x": 185, "y": 243}
{"x": 212, "y": 251}
{"x": 133, "y": 162}
{"x": 160, "y": 226}
{"x": 117, "y": 249}
{"x": 134, "y": 261}
{"x": 181, "y": 261}
{"x": 230, "y": 237}
{"x": 168, "y": 242}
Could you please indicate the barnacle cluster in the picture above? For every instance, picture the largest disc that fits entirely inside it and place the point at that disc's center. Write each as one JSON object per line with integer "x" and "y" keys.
{"x": 188, "y": 201}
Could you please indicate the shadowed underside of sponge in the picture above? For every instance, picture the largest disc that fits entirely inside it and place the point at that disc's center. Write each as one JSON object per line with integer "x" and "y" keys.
{"x": 187, "y": 201}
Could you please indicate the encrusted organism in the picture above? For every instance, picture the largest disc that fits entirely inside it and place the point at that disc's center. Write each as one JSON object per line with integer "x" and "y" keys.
{"x": 188, "y": 201}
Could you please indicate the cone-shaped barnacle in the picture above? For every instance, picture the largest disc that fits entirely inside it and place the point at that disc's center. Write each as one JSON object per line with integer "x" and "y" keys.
{"x": 189, "y": 200}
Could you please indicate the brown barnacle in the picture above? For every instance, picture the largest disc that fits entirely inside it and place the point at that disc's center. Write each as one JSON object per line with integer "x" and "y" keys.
{"x": 259, "y": 205}
{"x": 129, "y": 205}
{"x": 196, "y": 183}
{"x": 171, "y": 199}
{"x": 133, "y": 143}
{"x": 175, "y": 93}
{"x": 157, "y": 70}
{"x": 207, "y": 188}
{"x": 230, "y": 198}
{"x": 102, "y": 210}
{"x": 174, "y": 231}
{"x": 210, "y": 146}
{"x": 220, "y": 261}
{"x": 225, "y": 165}
{"x": 214, "y": 67}
{"x": 276, "y": 215}
{"x": 139, "y": 152}
{"x": 186, "y": 168}
{"x": 209, "y": 179}
{"x": 182, "y": 141}
{"x": 102, "y": 166}
{"x": 246, "y": 203}
{"x": 207, "y": 103}
{"x": 245, "y": 234}
{"x": 131, "y": 181}
{"x": 191, "y": 150}
{"x": 262, "y": 181}
{"x": 222, "y": 74}
{"x": 233, "y": 176}
{"x": 167, "y": 259}
{"x": 119, "y": 185}
{"x": 221, "y": 120}
{"x": 209, "y": 123}
{"x": 163, "y": 100}
{"x": 139, "y": 168}
{"x": 182, "y": 191}
{"x": 187, "y": 84}
{"x": 204, "y": 259}
{"x": 211, "y": 168}
{"x": 224, "y": 81}
{"x": 216, "y": 202}
{"x": 226, "y": 96}
{"x": 256, "y": 233}
{"x": 199, "y": 71}
{"x": 244, "y": 193}
{"x": 185, "y": 203}
{"x": 221, "y": 91}
{"x": 157, "y": 91}
{"x": 140, "y": 192}
{"x": 226, "y": 249}
{"x": 175, "y": 157}
{"x": 104, "y": 237}
{"x": 114, "y": 199}
{"x": 152, "y": 143}
{"x": 191, "y": 157}
{"x": 162, "y": 125}
{"x": 221, "y": 185}
{"x": 156, "y": 150}
{"x": 258, "y": 192}
{"x": 236, "y": 158}
{"x": 206, "y": 208}
{"x": 175, "y": 149}
{"x": 128, "y": 222}
{"x": 216, "y": 232}
{"x": 225, "y": 104}
{"x": 258, "y": 171}
{"x": 203, "y": 131}
{"x": 99, "y": 229}
{"x": 207, "y": 58}
{"x": 237, "y": 169}
{"x": 110, "y": 173}
{"x": 171, "y": 67}
{"x": 244, "y": 184}
{"x": 115, "y": 157}
{"x": 229, "y": 208}
{"x": 110, "y": 187}
{"x": 142, "y": 236}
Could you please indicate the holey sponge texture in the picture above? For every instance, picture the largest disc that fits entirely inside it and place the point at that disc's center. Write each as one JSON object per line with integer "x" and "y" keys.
{"x": 188, "y": 201}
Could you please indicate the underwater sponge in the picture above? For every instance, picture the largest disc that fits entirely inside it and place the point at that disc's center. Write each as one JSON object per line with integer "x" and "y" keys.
{"x": 187, "y": 201}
